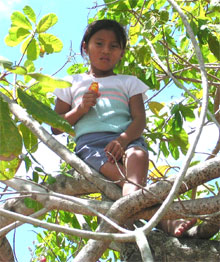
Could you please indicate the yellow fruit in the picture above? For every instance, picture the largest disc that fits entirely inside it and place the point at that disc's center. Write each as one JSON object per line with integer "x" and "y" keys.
{"x": 94, "y": 87}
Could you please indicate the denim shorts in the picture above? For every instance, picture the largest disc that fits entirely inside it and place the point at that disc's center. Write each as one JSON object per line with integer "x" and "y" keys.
{"x": 90, "y": 147}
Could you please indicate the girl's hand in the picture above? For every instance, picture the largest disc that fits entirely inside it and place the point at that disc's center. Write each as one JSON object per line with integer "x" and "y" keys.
{"x": 89, "y": 100}
{"x": 114, "y": 151}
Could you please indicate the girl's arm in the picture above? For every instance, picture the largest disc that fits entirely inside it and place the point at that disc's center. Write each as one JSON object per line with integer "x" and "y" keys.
{"x": 134, "y": 130}
{"x": 73, "y": 115}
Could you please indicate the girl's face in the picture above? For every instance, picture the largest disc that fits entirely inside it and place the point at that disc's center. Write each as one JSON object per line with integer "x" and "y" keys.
{"x": 104, "y": 52}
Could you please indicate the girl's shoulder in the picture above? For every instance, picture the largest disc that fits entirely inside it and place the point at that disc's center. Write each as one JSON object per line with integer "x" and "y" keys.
{"x": 76, "y": 77}
{"x": 128, "y": 79}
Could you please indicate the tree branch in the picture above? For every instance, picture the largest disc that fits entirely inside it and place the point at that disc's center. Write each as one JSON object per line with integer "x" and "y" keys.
{"x": 112, "y": 191}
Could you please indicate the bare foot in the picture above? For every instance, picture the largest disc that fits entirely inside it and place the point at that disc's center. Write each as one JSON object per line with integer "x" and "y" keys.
{"x": 176, "y": 228}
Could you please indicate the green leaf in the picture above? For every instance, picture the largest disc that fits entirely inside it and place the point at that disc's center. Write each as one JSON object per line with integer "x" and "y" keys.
{"x": 39, "y": 169}
{"x": 4, "y": 82}
{"x": 50, "y": 43}
{"x": 10, "y": 138}
{"x": 194, "y": 27}
{"x": 5, "y": 63}
{"x": 8, "y": 168}
{"x": 19, "y": 70}
{"x": 30, "y": 203}
{"x": 214, "y": 45}
{"x": 29, "y": 12}
{"x": 43, "y": 113}
{"x": 159, "y": 3}
{"x": 35, "y": 177}
{"x": 16, "y": 36}
{"x": 41, "y": 88}
{"x": 20, "y": 20}
{"x": 187, "y": 113}
{"x": 27, "y": 163}
{"x": 29, "y": 65}
{"x": 164, "y": 149}
{"x": 133, "y": 3}
{"x": 175, "y": 109}
{"x": 155, "y": 107}
{"x": 174, "y": 150}
{"x": 51, "y": 180}
{"x": 32, "y": 49}
{"x": 30, "y": 140}
{"x": 143, "y": 55}
{"x": 50, "y": 81}
{"x": 46, "y": 22}
{"x": 177, "y": 122}
{"x": 181, "y": 140}
{"x": 134, "y": 34}
{"x": 203, "y": 31}
{"x": 164, "y": 16}
{"x": 77, "y": 69}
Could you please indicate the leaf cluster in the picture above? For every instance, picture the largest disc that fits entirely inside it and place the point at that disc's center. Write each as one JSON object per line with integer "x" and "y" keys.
{"x": 32, "y": 92}
{"x": 159, "y": 23}
{"x": 32, "y": 34}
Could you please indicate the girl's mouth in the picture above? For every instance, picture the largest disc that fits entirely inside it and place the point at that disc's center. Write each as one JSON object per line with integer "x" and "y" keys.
{"x": 104, "y": 59}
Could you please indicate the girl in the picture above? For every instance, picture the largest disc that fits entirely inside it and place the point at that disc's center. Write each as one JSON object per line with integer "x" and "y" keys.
{"x": 108, "y": 123}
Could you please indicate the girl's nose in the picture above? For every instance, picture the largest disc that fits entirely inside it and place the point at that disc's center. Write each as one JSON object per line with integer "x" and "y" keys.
{"x": 106, "y": 49}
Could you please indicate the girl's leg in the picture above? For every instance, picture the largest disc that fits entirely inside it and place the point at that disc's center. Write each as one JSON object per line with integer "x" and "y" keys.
{"x": 136, "y": 163}
{"x": 176, "y": 228}
{"x": 136, "y": 168}
{"x": 111, "y": 172}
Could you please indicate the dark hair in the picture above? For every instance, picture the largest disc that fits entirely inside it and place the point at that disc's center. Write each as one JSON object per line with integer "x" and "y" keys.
{"x": 106, "y": 24}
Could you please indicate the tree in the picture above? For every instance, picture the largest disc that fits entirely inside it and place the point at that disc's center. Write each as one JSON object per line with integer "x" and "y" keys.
{"x": 169, "y": 45}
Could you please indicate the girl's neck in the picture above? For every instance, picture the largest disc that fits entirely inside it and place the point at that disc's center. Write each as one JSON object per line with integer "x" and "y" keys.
{"x": 101, "y": 74}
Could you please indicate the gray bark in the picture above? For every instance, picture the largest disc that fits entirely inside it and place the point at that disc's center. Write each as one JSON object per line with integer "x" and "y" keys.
{"x": 170, "y": 249}
{"x": 139, "y": 204}
{"x": 6, "y": 253}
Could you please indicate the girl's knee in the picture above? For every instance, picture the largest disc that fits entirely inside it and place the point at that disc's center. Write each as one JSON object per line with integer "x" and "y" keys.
{"x": 137, "y": 152}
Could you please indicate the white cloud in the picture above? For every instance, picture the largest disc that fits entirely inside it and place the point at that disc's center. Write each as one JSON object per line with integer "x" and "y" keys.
{"x": 207, "y": 142}
{"x": 7, "y": 7}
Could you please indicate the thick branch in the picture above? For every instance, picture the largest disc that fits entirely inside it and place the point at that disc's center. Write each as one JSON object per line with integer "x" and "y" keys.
{"x": 6, "y": 253}
{"x": 180, "y": 250}
{"x": 137, "y": 202}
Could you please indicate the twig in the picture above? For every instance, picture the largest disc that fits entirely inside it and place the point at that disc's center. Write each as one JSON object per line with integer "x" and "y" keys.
{"x": 8, "y": 228}
{"x": 143, "y": 246}
{"x": 167, "y": 202}
{"x": 126, "y": 179}
{"x": 139, "y": 17}
{"x": 130, "y": 236}
{"x": 33, "y": 35}
{"x": 68, "y": 60}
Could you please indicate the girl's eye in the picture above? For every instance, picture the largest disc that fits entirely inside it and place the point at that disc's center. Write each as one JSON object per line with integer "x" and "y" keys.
{"x": 99, "y": 43}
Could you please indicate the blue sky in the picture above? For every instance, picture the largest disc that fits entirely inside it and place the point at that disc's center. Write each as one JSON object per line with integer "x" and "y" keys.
{"x": 72, "y": 20}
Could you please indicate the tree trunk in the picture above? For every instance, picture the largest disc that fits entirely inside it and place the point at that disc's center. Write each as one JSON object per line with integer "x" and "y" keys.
{"x": 171, "y": 249}
{"x": 6, "y": 254}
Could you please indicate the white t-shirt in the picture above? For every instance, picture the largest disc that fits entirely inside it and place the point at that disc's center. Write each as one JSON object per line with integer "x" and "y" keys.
{"x": 111, "y": 113}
